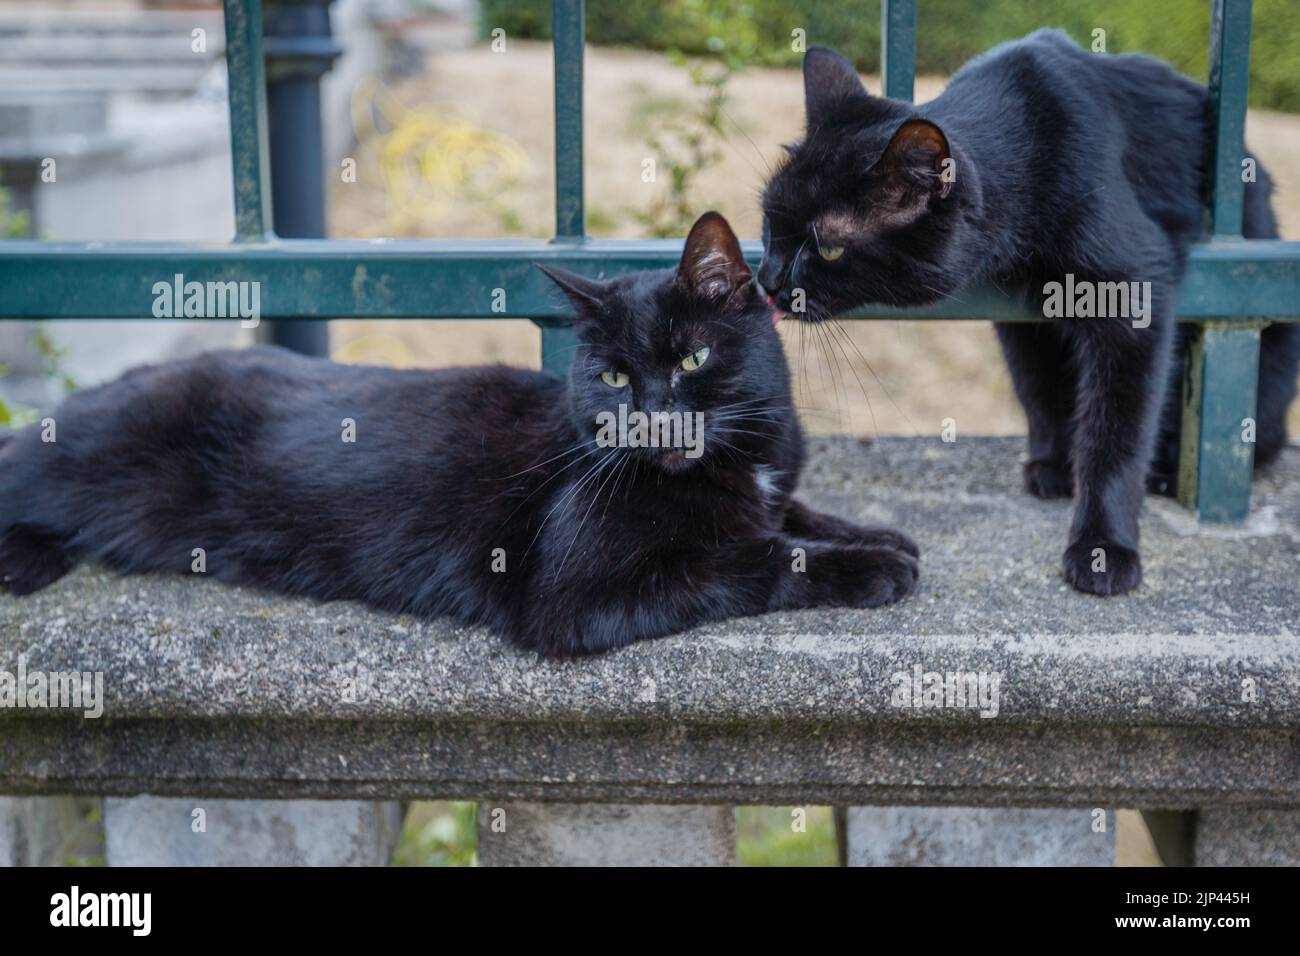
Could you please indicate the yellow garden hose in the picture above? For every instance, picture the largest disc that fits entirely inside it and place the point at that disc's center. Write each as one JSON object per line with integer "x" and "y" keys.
{"x": 429, "y": 157}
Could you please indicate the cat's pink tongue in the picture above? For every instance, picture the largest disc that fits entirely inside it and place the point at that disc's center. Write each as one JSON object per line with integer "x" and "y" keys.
{"x": 777, "y": 313}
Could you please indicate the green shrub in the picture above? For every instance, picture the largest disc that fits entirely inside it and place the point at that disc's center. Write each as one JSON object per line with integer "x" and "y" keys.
{"x": 949, "y": 32}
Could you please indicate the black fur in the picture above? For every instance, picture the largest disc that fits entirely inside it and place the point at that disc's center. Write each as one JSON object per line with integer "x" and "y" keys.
{"x": 1059, "y": 161}
{"x": 240, "y": 453}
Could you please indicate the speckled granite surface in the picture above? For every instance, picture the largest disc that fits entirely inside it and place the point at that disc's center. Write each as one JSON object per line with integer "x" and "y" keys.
{"x": 1185, "y": 693}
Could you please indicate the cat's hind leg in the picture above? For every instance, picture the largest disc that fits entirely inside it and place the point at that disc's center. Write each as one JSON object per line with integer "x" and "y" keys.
{"x": 1279, "y": 343}
{"x": 800, "y": 521}
{"x": 1162, "y": 478}
{"x": 1038, "y": 357}
{"x": 1279, "y": 360}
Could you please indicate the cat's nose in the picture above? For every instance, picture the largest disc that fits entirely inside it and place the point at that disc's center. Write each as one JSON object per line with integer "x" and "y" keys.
{"x": 769, "y": 274}
{"x": 655, "y": 397}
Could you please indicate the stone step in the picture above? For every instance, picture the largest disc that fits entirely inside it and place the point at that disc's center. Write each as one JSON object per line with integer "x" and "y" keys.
{"x": 1184, "y": 694}
{"x": 117, "y": 51}
{"x": 39, "y": 33}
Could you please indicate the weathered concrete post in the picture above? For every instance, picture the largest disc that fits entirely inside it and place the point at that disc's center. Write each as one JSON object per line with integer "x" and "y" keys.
{"x": 978, "y": 836}
{"x": 1229, "y": 836}
{"x": 604, "y": 834}
{"x": 178, "y": 831}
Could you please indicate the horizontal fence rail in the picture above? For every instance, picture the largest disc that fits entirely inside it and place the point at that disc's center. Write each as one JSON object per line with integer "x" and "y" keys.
{"x": 386, "y": 279}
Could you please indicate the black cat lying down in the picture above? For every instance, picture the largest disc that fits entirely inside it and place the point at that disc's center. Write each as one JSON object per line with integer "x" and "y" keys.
{"x": 486, "y": 494}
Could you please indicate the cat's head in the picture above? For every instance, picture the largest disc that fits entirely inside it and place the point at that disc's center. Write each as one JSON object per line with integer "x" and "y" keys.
{"x": 695, "y": 343}
{"x": 859, "y": 211}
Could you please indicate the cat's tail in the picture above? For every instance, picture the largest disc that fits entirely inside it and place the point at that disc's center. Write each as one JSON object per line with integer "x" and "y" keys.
{"x": 1279, "y": 343}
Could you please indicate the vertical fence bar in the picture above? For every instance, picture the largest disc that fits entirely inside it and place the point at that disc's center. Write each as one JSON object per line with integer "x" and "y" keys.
{"x": 249, "y": 149}
{"x": 1217, "y": 457}
{"x": 558, "y": 343}
{"x": 898, "y": 48}
{"x": 300, "y": 50}
{"x": 569, "y": 38}
{"x": 1229, "y": 82}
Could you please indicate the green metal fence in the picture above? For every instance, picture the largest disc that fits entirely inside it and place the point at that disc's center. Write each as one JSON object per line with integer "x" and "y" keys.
{"x": 1233, "y": 287}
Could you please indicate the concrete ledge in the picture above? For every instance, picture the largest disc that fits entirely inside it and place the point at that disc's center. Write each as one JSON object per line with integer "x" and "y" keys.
{"x": 1184, "y": 694}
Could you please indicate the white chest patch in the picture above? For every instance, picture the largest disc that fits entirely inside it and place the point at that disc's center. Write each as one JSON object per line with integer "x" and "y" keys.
{"x": 766, "y": 477}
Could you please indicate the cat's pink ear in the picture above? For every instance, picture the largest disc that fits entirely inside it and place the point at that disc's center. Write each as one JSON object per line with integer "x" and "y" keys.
{"x": 713, "y": 268}
{"x": 586, "y": 295}
{"x": 919, "y": 152}
{"x": 829, "y": 81}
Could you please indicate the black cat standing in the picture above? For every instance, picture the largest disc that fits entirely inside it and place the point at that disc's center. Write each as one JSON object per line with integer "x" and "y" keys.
{"x": 480, "y": 493}
{"x": 1040, "y": 163}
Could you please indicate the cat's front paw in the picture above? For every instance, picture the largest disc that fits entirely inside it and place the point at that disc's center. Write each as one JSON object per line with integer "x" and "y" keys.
{"x": 1048, "y": 479}
{"x": 877, "y": 576}
{"x": 1099, "y": 567}
{"x": 889, "y": 538}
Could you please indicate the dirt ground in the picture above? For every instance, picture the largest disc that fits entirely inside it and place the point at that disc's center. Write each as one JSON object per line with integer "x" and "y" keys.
{"x": 895, "y": 378}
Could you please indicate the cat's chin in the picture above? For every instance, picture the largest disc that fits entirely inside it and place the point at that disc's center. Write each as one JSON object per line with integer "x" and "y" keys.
{"x": 775, "y": 312}
{"x": 674, "y": 462}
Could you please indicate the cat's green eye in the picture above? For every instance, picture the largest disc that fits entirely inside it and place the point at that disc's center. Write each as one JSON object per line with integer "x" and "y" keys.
{"x": 695, "y": 359}
{"x": 830, "y": 253}
{"x": 614, "y": 378}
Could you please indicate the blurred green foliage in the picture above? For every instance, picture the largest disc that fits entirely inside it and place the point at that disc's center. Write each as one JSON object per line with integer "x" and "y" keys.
{"x": 686, "y": 142}
{"x": 13, "y": 415}
{"x": 438, "y": 834}
{"x": 949, "y": 32}
{"x": 444, "y": 834}
{"x": 52, "y": 358}
{"x": 13, "y": 225}
{"x": 769, "y": 836}
{"x": 18, "y": 225}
